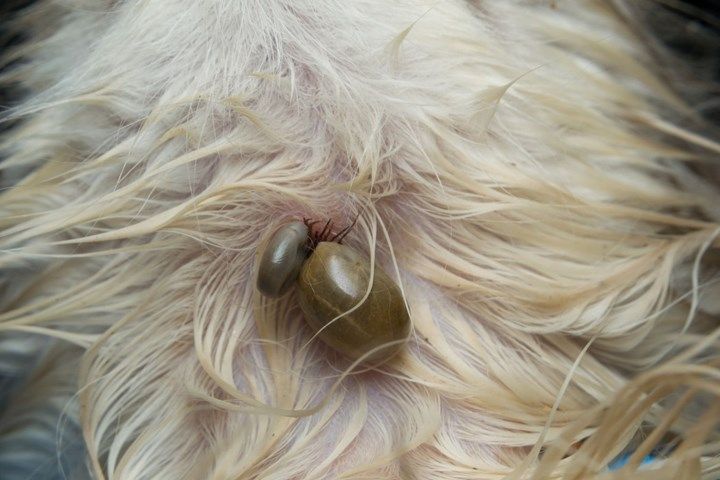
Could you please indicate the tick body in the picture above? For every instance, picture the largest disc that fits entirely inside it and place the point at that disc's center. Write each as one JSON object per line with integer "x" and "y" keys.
{"x": 282, "y": 259}
{"x": 333, "y": 280}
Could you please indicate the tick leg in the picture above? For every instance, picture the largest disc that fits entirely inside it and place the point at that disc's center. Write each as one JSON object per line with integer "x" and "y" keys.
{"x": 338, "y": 235}
{"x": 325, "y": 231}
{"x": 309, "y": 224}
{"x": 342, "y": 233}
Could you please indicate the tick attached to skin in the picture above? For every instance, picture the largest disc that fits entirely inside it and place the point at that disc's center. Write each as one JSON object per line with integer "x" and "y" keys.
{"x": 332, "y": 279}
{"x": 282, "y": 259}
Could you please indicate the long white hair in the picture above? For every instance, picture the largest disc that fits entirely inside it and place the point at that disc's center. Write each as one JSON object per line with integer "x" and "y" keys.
{"x": 526, "y": 171}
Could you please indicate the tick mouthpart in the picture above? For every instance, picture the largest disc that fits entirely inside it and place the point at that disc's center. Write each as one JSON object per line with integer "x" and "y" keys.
{"x": 326, "y": 234}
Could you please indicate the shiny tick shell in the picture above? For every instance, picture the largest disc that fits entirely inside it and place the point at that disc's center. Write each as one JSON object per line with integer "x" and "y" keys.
{"x": 332, "y": 281}
{"x": 282, "y": 259}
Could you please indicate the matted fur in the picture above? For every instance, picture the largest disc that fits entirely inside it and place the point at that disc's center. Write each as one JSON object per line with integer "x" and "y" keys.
{"x": 521, "y": 168}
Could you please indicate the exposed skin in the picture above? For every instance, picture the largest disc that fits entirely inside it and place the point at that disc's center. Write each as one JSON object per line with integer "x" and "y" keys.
{"x": 282, "y": 258}
{"x": 332, "y": 281}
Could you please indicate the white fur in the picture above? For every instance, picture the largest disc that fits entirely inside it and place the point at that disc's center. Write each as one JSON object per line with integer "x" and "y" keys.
{"x": 514, "y": 170}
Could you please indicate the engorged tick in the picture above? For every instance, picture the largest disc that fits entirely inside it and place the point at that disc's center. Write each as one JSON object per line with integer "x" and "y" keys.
{"x": 332, "y": 280}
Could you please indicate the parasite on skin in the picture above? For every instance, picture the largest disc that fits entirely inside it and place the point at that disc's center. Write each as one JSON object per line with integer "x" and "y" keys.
{"x": 332, "y": 279}
{"x": 332, "y": 282}
{"x": 282, "y": 259}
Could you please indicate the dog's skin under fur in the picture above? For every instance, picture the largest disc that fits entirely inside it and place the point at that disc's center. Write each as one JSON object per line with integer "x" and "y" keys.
{"x": 527, "y": 171}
